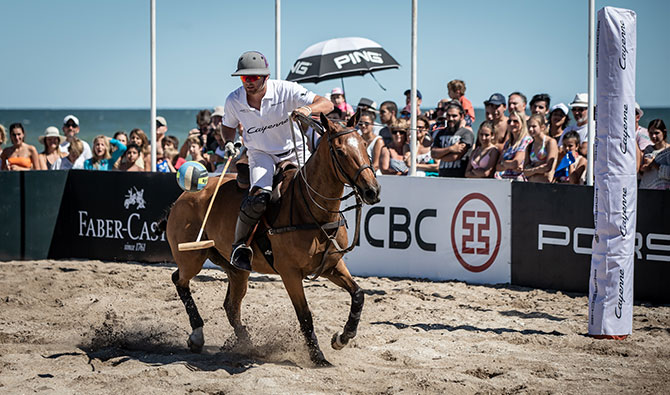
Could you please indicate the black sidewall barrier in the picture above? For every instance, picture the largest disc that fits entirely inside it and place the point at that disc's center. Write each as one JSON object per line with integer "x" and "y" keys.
{"x": 552, "y": 234}
{"x": 113, "y": 216}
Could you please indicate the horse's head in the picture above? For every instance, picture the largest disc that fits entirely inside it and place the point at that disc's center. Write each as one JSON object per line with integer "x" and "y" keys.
{"x": 350, "y": 158}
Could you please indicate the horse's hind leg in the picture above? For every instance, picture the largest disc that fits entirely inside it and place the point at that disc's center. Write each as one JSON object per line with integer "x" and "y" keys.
{"x": 340, "y": 276}
{"x": 181, "y": 281}
{"x": 293, "y": 284}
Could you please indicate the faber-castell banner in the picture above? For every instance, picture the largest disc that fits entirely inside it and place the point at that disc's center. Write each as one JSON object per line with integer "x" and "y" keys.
{"x": 615, "y": 193}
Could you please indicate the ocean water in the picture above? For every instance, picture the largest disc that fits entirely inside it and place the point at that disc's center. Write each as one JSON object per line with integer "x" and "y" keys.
{"x": 180, "y": 121}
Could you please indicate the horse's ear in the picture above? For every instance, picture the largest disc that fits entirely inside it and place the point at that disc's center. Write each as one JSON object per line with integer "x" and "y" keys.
{"x": 353, "y": 121}
{"x": 326, "y": 123}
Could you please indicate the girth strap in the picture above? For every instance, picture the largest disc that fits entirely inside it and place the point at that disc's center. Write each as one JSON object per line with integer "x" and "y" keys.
{"x": 313, "y": 226}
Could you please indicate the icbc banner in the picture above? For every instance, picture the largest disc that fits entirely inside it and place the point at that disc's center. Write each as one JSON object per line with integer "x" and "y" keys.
{"x": 436, "y": 228}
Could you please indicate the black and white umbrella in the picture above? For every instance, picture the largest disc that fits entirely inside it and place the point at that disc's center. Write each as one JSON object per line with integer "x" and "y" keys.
{"x": 338, "y": 58}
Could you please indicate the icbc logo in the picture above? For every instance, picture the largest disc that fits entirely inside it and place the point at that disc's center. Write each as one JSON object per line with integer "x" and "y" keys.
{"x": 475, "y": 232}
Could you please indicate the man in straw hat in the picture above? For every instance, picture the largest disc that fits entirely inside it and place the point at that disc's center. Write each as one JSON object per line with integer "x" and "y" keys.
{"x": 262, "y": 106}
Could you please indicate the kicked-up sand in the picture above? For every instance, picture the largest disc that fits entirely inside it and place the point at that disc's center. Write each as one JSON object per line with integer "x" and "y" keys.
{"x": 84, "y": 327}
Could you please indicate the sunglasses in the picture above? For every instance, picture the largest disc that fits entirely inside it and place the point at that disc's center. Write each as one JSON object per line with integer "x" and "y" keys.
{"x": 578, "y": 109}
{"x": 70, "y": 125}
{"x": 366, "y": 124}
{"x": 250, "y": 78}
{"x": 511, "y": 121}
{"x": 399, "y": 132}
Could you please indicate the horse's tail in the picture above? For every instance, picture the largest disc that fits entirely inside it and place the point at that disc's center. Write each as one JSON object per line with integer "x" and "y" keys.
{"x": 161, "y": 225}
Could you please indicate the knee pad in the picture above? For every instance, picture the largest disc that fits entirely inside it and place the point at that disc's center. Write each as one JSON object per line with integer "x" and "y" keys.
{"x": 254, "y": 206}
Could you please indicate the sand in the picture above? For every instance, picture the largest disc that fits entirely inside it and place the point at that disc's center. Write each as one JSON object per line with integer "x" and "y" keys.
{"x": 84, "y": 327}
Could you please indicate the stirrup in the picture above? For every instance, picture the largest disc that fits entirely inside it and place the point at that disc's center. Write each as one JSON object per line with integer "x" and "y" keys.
{"x": 241, "y": 257}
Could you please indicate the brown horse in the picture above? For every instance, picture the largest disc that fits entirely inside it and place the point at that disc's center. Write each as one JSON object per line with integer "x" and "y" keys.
{"x": 306, "y": 240}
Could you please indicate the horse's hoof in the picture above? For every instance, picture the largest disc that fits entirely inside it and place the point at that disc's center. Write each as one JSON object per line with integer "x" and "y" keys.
{"x": 323, "y": 363}
{"x": 336, "y": 343}
{"x": 196, "y": 340}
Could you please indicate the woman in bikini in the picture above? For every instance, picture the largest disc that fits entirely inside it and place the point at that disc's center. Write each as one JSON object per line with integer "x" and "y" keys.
{"x": 21, "y": 155}
{"x": 50, "y": 158}
{"x": 375, "y": 143}
{"x": 510, "y": 164}
{"x": 483, "y": 160}
{"x": 3, "y": 137}
{"x": 541, "y": 159}
{"x": 426, "y": 166}
{"x": 392, "y": 160}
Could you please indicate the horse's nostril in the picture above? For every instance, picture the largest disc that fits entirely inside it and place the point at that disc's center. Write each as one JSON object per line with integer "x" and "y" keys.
{"x": 371, "y": 194}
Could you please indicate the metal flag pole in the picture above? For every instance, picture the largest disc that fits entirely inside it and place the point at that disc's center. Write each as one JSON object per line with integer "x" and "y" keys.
{"x": 591, "y": 126}
{"x": 278, "y": 39}
{"x": 412, "y": 128}
{"x": 153, "y": 85}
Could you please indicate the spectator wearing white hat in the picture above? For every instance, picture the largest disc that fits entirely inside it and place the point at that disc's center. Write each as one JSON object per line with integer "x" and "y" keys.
{"x": 50, "y": 158}
{"x": 580, "y": 109}
{"x": 641, "y": 134}
{"x": 71, "y": 129}
{"x": 161, "y": 130}
{"x": 339, "y": 101}
{"x": 559, "y": 118}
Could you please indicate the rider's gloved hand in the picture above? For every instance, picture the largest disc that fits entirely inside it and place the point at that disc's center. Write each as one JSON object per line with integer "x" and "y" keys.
{"x": 232, "y": 149}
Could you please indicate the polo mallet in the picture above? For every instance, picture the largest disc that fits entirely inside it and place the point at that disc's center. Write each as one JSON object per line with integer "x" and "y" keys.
{"x": 197, "y": 244}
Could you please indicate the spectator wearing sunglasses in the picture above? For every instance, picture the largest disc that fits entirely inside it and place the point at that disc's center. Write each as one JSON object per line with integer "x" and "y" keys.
{"x": 70, "y": 130}
{"x": 393, "y": 155}
{"x": 426, "y": 166}
{"x": 579, "y": 108}
{"x": 374, "y": 142}
{"x": 452, "y": 144}
{"x": 510, "y": 164}
{"x": 265, "y": 108}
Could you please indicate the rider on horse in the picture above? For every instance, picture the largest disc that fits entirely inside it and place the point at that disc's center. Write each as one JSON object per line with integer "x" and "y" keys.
{"x": 262, "y": 106}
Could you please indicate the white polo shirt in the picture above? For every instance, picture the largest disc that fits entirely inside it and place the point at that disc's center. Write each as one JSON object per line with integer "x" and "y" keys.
{"x": 268, "y": 130}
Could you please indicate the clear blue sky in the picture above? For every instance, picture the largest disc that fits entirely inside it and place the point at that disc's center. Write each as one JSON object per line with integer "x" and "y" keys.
{"x": 95, "y": 54}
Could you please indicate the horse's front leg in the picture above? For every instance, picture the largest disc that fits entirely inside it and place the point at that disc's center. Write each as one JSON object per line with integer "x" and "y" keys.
{"x": 339, "y": 275}
{"x": 293, "y": 284}
{"x": 197, "y": 339}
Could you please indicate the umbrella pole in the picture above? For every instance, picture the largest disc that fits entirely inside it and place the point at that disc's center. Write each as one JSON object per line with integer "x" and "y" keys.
{"x": 343, "y": 91}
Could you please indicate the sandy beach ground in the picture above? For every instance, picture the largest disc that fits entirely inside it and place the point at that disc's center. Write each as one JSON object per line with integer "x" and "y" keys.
{"x": 83, "y": 327}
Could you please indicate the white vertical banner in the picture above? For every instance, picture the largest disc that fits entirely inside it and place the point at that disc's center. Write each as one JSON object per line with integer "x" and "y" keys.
{"x": 615, "y": 192}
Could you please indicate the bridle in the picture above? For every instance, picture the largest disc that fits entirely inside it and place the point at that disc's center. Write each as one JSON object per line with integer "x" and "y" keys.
{"x": 342, "y": 176}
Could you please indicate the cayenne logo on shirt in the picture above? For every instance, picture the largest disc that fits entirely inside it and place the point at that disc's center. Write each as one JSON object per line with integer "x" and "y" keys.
{"x": 262, "y": 129}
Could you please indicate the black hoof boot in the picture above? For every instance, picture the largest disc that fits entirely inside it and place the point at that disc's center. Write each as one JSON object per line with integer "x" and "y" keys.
{"x": 241, "y": 257}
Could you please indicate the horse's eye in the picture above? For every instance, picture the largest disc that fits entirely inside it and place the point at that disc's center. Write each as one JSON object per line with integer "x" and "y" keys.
{"x": 340, "y": 152}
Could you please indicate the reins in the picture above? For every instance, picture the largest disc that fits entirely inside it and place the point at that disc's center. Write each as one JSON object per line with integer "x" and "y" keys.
{"x": 340, "y": 174}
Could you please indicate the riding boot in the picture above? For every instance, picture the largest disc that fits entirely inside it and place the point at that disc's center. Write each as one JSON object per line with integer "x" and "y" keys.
{"x": 242, "y": 253}
{"x": 251, "y": 211}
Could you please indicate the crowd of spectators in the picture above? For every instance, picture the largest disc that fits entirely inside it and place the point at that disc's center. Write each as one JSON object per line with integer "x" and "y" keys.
{"x": 542, "y": 145}
{"x": 535, "y": 142}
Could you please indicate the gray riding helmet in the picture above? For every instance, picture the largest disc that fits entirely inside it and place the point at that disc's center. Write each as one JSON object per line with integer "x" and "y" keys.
{"x": 252, "y": 63}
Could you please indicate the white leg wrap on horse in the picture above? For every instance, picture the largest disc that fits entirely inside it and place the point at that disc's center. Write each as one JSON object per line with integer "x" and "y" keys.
{"x": 196, "y": 338}
{"x": 336, "y": 343}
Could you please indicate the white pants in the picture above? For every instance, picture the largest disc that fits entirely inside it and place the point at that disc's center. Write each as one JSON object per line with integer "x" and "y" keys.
{"x": 262, "y": 166}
